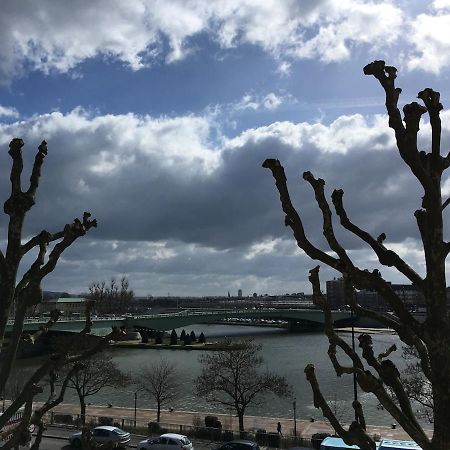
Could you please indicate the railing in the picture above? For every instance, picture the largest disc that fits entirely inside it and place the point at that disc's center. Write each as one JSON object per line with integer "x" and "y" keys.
{"x": 273, "y": 440}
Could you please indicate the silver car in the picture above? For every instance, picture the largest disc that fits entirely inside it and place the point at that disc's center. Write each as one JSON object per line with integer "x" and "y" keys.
{"x": 104, "y": 434}
{"x": 168, "y": 441}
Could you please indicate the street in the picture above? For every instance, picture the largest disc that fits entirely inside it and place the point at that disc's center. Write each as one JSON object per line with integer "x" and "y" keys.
{"x": 58, "y": 439}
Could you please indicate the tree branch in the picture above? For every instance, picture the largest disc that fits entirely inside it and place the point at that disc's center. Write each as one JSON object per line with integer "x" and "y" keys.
{"x": 446, "y": 203}
{"x": 292, "y": 218}
{"x": 386, "y": 257}
{"x": 327, "y": 223}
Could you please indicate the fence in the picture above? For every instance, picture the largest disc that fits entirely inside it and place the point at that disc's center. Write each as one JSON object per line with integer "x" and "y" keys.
{"x": 273, "y": 440}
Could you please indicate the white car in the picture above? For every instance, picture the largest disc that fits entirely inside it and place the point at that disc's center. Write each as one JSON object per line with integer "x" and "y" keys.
{"x": 104, "y": 434}
{"x": 168, "y": 441}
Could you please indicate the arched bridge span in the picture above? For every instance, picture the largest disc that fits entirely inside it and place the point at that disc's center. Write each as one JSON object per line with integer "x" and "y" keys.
{"x": 162, "y": 322}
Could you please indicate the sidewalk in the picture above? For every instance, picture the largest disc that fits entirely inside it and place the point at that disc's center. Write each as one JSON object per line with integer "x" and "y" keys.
{"x": 305, "y": 428}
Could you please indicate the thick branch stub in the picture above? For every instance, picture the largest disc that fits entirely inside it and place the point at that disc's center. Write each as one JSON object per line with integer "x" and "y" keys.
{"x": 431, "y": 99}
{"x": 413, "y": 113}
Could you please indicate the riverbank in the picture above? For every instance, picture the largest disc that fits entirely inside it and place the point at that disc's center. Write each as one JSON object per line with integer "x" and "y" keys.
{"x": 220, "y": 345}
{"x": 305, "y": 428}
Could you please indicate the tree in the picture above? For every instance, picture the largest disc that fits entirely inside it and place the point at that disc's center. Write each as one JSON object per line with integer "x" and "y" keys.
{"x": 375, "y": 373}
{"x": 173, "y": 338}
{"x": 417, "y": 386}
{"x": 187, "y": 339}
{"x": 93, "y": 375}
{"x": 182, "y": 335}
{"x": 201, "y": 338}
{"x": 160, "y": 382}
{"x": 19, "y": 294}
{"x": 192, "y": 336}
{"x": 230, "y": 378}
{"x": 113, "y": 298}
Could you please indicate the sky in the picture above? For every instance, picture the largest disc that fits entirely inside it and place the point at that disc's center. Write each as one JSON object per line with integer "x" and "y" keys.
{"x": 158, "y": 115}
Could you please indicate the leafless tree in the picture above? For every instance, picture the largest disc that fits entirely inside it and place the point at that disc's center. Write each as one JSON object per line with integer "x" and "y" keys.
{"x": 18, "y": 295}
{"x": 230, "y": 378}
{"x": 417, "y": 386}
{"x": 161, "y": 382}
{"x": 112, "y": 298}
{"x": 377, "y": 374}
{"x": 95, "y": 373}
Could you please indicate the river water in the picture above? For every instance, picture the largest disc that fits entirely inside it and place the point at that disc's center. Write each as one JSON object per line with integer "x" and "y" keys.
{"x": 285, "y": 354}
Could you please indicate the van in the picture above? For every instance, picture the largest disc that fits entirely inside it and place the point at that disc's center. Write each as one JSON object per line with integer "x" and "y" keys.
{"x": 395, "y": 444}
{"x": 335, "y": 443}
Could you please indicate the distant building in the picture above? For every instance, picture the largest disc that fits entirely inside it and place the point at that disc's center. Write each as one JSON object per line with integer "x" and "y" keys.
{"x": 68, "y": 306}
{"x": 407, "y": 293}
{"x": 336, "y": 293}
{"x": 240, "y": 293}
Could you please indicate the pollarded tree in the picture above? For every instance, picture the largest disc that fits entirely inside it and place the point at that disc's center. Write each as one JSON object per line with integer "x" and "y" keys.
{"x": 377, "y": 374}
{"x": 231, "y": 378}
{"x": 19, "y": 295}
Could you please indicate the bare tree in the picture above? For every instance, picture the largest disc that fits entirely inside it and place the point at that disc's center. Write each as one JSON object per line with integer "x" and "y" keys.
{"x": 377, "y": 374}
{"x": 417, "y": 386}
{"x": 113, "y": 298}
{"x": 159, "y": 381}
{"x": 18, "y": 295}
{"x": 94, "y": 374}
{"x": 230, "y": 377}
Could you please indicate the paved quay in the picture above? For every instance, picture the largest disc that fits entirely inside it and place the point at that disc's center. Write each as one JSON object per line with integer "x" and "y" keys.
{"x": 305, "y": 428}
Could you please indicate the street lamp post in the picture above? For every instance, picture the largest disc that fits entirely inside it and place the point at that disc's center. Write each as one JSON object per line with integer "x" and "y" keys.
{"x": 294, "y": 404}
{"x": 135, "y": 408}
{"x": 355, "y": 387}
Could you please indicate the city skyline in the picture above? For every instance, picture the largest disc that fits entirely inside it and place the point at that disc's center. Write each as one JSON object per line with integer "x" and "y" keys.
{"x": 158, "y": 116}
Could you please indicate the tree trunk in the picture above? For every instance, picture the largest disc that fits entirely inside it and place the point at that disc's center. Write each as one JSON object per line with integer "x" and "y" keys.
{"x": 158, "y": 412}
{"x": 241, "y": 422}
{"x": 83, "y": 413}
{"x": 441, "y": 432}
{"x": 82, "y": 407}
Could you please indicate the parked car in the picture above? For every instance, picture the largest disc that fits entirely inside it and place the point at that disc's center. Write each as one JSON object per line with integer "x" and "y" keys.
{"x": 239, "y": 444}
{"x": 104, "y": 434}
{"x": 168, "y": 441}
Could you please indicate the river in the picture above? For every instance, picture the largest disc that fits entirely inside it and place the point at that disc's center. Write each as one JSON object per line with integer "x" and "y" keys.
{"x": 285, "y": 354}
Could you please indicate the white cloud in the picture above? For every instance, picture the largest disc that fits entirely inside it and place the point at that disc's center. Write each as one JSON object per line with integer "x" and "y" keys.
{"x": 48, "y": 37}
{"x": 270, "y": 101}
{"x": 6, "y": 111}
{"x": 430, "y": 37}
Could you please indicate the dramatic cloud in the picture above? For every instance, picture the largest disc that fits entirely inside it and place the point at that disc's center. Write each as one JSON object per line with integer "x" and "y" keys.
{"x": 178, "y": 207}
{"x": 56, "y": 37}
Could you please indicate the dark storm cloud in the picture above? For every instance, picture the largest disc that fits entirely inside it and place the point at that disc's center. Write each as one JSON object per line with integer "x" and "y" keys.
{"x": 172, "y": 203}
{"x": 147, "y": 194}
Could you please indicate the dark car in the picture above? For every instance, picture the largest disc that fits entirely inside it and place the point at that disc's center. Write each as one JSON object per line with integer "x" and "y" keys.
{"x": 239, "y": 444}
{"x": 104, "y": 435}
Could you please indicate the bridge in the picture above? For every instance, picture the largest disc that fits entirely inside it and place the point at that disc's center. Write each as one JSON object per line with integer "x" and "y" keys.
{"x": 298, "y": 319}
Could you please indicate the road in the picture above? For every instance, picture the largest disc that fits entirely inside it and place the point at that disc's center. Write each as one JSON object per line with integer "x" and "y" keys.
{"x": 58, "y": 439}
